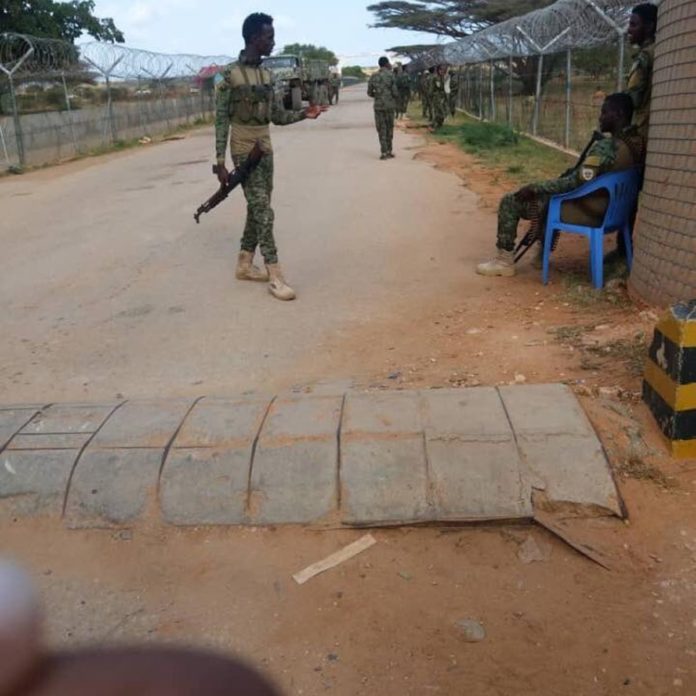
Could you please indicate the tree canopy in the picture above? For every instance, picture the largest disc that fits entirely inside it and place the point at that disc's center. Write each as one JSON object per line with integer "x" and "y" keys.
{"x": 453, "y": 18}
{"x": 57, "y": 20}
{"x": 311, "y": 52}
{"x": 354, "y": 71}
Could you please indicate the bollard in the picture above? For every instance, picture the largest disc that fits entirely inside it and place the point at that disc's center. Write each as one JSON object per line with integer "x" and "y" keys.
{"x": 669, "y": 387}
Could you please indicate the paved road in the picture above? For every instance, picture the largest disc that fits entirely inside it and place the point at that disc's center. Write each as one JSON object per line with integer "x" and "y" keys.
{"x": 109, "y": 288}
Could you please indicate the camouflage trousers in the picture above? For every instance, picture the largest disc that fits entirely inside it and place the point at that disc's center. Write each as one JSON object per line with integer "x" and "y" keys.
{"x": 384, "y": 122}
{"x": 258, "y": 188}
{"x": 427, "y": 107}
{"x": 439, "y": 110}
{"x": 511, "y": 211}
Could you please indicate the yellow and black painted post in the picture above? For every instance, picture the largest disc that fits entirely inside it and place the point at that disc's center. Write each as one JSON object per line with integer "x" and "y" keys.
{"x": 669, "y": 387}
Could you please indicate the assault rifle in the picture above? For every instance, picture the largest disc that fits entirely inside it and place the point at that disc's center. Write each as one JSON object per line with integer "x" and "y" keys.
{"x": 536, "y": 229}
{"x": 236, "y": 177}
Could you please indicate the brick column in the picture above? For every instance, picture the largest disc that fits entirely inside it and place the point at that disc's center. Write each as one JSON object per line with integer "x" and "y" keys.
{"x": 665, "y": 256}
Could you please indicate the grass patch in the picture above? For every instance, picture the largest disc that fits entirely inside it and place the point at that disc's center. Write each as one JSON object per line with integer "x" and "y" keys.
{"x": 522, "y": 159}
{"x": 631, "y": 352}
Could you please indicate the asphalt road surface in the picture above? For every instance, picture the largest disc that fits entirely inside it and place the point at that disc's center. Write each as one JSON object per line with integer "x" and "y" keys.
{"x": 109, "y": 287}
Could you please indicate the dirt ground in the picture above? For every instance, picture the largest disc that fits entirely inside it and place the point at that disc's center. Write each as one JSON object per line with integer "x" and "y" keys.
{"x": 386, "y": 622}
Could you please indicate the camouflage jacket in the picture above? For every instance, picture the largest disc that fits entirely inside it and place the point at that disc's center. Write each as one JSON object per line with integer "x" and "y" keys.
{"x": 382, "y": 88}
{"x": 610, "y": 154}
{"x": 403, "y": 83}
{"x": 640, "y": 86}
{"x": 245, "y": 104}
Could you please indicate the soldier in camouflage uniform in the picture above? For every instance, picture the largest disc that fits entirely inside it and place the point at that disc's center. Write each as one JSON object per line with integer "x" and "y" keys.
{"x": 641, "y": 33}
{"x": 403, "y": 85}
{"x": 245, "y": 105}
{"x": 382, "y": 88}
{"x": 439, "y": 97}
{"x": 428, "y": 94}
{"x": 622, "y": 149}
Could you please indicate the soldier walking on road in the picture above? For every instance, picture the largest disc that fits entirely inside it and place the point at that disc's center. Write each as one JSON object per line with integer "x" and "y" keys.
{"x": 439, "y": 97}
{"x": 244, "y": 108}
{"x": 403, "y": 84}
{"x": 382, "y": 88}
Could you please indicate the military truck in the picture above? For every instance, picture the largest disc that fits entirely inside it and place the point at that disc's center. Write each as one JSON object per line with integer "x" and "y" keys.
{"x": 297, "y": 79}
{"x": 289, "y": 78}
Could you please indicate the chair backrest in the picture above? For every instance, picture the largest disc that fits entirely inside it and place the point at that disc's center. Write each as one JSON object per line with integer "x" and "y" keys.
{"x": 623, "y": 190}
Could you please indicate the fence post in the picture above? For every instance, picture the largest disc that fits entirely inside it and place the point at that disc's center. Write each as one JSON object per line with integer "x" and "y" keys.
{"x": 68, "y": 106}
{"x": 510, "y": 91}
{"x": 537, "y": 97}
{"x": 480, "y": 91}
{"x": 493, "y": 109}
{"x": 569, "y": 87}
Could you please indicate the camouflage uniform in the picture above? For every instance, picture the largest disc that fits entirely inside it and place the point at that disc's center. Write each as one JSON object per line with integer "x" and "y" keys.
{"x": 439, "y": 101}
{"x": 245, "y": 105}
{"x": 403, "y": 84}
{"x": 454, "y": 91}
{"x": 640, "y": 86}
{"x": 382, "y": 88}
{"x": 610, "y": 154}
{"x": 428, "y": 95}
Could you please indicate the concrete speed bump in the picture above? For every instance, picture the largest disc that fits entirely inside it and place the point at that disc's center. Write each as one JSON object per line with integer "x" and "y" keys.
{"x": 358, "y": 459}
{"x": 669, "y": 387}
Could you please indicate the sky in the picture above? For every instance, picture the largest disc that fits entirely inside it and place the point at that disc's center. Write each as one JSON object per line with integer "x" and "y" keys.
{"x": 213, "y": 27}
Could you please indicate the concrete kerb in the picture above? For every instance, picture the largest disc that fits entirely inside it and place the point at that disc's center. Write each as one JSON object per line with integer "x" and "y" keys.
{"x": 360, "y": 459}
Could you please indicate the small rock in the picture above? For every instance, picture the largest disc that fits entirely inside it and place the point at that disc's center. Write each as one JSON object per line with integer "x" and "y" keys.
{"x": 602, "y": 327}
{"x": 520, "y": 379}
{"x": 473, "y": 332}
{"x": 610, "y": 392}
{"x": 332, "y": 657}
{"x": 531, "y": 552}
{"x": 471, "y": 631}
{"x": 394, "y": 375}
{"x": 405, "y": 576}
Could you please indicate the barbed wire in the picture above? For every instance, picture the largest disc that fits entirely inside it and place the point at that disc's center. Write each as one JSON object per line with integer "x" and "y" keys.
{"x": 565, "y": 25}
{"x": 23, "y": 56}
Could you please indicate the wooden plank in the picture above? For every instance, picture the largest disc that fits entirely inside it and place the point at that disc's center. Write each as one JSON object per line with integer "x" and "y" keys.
{"x": 345, "y": 554}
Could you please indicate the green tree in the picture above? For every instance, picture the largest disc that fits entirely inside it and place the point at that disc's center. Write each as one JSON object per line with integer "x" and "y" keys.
{"x": 56, "y": 20}
{"x": 354, "y": 71}
{"x": 453, "y": 18}
{"x": 311, "y": 52}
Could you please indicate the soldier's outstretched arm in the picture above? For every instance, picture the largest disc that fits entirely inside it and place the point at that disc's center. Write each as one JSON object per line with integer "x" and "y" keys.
{"x": 222, "y": 121}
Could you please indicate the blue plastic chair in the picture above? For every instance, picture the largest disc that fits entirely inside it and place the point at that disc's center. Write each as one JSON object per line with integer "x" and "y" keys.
{"x": 623, "y": 188}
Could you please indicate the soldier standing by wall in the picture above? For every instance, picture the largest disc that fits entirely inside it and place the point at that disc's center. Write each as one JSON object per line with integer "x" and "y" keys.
{"x": 244, "y": 108}
{"x": 382, "y": 88}
{"x": 641, "y": 33}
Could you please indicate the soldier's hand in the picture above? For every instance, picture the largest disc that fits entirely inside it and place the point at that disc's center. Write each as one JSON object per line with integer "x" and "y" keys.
{"x": 222, "y": 174}
{"x": 525, "y": 194}
{"x": 313, "y": 111}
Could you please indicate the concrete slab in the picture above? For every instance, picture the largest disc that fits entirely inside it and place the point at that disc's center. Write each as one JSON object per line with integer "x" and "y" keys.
{"x": 142, "y": 424}
{"x": 476, "y": 413}
{"x": 477, "y": 480}
{"x": 222, "y": 423}
{"x": 11, "y": 422}
{"x": 112, "y": 487}
{"x": 294, "y": 484}
{"x": 69, "y": 419}
{"x": 384, "y": 481}
{"x": 205, "y": 486}
{"x": 303, "y": 418}
{"x": 551, "y": 409}
{"x": 572, "y": 468}
{"x": 34, "y": 483}
{"x": 74, "y": 441}
{"x": 382, "y": 414}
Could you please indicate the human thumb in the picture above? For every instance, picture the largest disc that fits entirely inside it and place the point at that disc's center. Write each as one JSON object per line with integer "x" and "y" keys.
{"x": 20, "y": 626}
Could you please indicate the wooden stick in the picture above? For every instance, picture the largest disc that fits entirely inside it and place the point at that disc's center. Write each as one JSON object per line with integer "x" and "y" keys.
{"x": 335, "y": 559}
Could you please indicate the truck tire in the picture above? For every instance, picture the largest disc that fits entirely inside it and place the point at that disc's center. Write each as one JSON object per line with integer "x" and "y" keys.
{"x": 296, "y": 97}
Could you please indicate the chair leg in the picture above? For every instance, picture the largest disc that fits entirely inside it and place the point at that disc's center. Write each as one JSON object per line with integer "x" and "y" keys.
{"x": 548, "y": 242}
{"x": 629, "y": 246}
{"x": 597, "y": 258}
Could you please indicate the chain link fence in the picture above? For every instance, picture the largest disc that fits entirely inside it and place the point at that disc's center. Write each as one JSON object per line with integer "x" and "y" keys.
{"x": 58, "y": 100}
{"x": 545, "y": 73}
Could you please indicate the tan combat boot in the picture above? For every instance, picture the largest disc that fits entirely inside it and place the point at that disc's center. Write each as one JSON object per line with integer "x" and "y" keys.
{"x": 502, "y": 265}
{"x": 246, "y": 269}
{"x": 277, "y": 285}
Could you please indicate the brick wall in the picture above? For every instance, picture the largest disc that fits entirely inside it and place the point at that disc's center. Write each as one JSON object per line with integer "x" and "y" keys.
{"x": 665, "y": 256}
